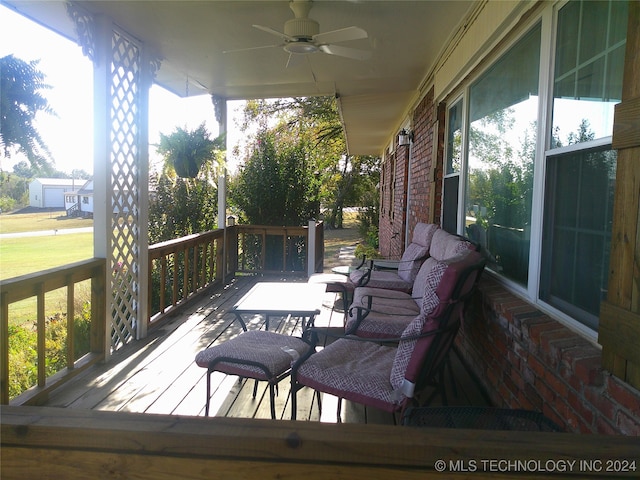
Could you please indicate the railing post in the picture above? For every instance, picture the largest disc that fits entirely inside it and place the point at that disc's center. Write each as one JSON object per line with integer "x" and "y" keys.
{"x": 100, "y": 341}
{"x": 4, "y": 349}
{"x": 311, "y": 248}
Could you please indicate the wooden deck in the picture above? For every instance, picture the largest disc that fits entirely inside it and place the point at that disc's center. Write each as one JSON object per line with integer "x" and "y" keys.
{"x": 158, "y": 375}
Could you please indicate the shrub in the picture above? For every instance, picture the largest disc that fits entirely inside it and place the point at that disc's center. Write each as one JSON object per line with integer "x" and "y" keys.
{"x": 23, "y": 354}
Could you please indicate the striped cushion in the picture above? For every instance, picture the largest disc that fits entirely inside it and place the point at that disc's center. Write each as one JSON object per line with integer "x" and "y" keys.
{"x": 274, "y": 351}
{"x": 354, "y": 370}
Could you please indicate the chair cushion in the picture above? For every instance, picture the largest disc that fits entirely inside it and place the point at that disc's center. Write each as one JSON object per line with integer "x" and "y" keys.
{"x": 422, "y": 323}
{"x": 354, "y": 370}
{"x": 391, "y": 301}
{"x": 380, "y": 325}
{"x": 444, "y": 245}
{"x": 423, "y": 234}
{"x": 391, "y": 311}
{"x": 440, "y": 286}
{"x": 274, "y": 351}
{"x": 411, "y": 261}
{"x": 382, "y": 279}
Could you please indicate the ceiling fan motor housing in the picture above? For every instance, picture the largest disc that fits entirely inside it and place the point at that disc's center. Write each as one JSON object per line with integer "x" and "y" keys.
{"x": 301, "y": 28}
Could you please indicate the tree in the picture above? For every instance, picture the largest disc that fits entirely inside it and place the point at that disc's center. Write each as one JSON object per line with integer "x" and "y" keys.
{"x": 277, "y": 185}
{"x": 21, "y": 99}
{"x": 343, "y": 179}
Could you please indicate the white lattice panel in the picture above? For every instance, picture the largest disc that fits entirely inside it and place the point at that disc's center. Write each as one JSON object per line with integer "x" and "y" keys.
{"x": 124, "y": 195}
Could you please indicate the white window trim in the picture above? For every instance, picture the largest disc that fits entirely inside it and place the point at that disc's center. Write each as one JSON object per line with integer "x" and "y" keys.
{"x": 529, "y": 293}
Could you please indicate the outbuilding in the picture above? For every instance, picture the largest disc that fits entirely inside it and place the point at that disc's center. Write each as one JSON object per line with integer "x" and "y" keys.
{"x": 49, "y": 192}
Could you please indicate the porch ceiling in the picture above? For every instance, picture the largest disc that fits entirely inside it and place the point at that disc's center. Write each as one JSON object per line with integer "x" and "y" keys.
{"x": 404, "y": 37}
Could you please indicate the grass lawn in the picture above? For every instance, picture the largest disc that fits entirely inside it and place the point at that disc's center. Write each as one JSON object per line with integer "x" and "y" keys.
{"x": 19, "y": 256}
{"x": 342, "y": 237}
{"x": 33, "y": 222}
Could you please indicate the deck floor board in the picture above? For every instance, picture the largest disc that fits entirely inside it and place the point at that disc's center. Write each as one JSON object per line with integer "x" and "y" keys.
{"x": 158, "y": 374}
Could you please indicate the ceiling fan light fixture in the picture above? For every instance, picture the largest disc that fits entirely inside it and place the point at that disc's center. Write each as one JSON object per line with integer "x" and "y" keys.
{"x": 300, "y": 47}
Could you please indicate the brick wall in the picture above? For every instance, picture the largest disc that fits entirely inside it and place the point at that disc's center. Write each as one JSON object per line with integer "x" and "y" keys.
{"x": 400, "y": 205}
{"x": 525, "y": 359}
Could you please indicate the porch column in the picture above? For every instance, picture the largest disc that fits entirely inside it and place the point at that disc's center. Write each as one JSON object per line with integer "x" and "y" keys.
{"x": 619, "y": 329}
{"x": 123, "y": 74}
{"x": 220, "y": 107}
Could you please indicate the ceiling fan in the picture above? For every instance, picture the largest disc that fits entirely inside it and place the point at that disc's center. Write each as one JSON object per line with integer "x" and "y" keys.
{"x": 302, "y": 36}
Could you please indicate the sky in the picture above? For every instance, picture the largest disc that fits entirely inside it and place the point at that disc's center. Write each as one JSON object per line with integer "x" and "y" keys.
{"x": 69, "y": 134}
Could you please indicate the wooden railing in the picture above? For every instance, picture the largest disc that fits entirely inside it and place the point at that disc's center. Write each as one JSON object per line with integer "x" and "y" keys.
{"x": 41, "y": 442}
{"x": 37, "y": 285}
{"x": 181, "y": 268}
{"x": 268, "y": 249}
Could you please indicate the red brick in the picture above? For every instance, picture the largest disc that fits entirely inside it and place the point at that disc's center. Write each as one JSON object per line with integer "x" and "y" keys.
{"x": 511, "y": 386}
{"x": 604, "y": 427}
{"x": 545, "y": 392}
{"x": 624, "y": 394}
{"x": 556, "y": 384}
{"x": 589, "y": 370}
{"x": 533, "y": 395}
{"x": 534, "y": 329}
{"x": 536, "y": 366}
{"x": 580, "y": 407}
{"x": 517, "y": 379}
{"x": 514, "y": 307}
{"x": 602, "y": 404}
{"x": 552, "y": 415}
{"x": 513, "y": 359}
{"x": 525, "y": 402}
{"x": 628, "y": 425}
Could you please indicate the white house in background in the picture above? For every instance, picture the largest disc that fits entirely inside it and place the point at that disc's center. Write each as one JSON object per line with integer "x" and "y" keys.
{"x": 79, "y": 203}
{"x": 50, "y": 192}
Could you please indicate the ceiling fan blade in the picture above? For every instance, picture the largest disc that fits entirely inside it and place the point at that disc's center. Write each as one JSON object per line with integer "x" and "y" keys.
{"x": 275, "y": 32}
{"x": 342, "y": 35}
{"x": 295, "y": 60}
{"x": 346, "y": 52}
{"x": 248, "y": 49}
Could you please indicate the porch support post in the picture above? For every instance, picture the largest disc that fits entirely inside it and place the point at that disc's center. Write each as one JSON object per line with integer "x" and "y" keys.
{"x": 101, "y": 156}
{"x": 220, "y": 107}
{"x": 123, "y": 73}
{"x": 619, "y": 329}
{"x": 311, "y": 248}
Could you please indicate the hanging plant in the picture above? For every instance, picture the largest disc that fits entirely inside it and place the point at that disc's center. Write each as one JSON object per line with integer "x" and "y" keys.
{"x": 187, "y": 151}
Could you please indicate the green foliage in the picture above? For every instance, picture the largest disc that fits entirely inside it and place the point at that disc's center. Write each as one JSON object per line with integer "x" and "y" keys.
{"x": 181, "y": 207}
{"x": 7, "y": 204}
{"x": 14, "y": 189}
{"x": 364, "y": 249}
{"x": 21, "y": 99}
{"x": 277, "y": 185}
{"x": 23, "y": 354}
{"x": 341, "y": 179}
{"x": 185, "y": 152}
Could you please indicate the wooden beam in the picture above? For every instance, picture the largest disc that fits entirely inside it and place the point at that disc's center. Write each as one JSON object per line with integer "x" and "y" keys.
{"x": 41, "y": 442}
{"x": 621, "y": 328}
{"x": 626, "y": 127}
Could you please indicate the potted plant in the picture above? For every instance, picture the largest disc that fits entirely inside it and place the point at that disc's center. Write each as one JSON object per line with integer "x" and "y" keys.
{"x": 186, "y": 151}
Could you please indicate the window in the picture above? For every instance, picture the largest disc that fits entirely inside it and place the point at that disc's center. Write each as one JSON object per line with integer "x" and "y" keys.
{"x": 577, "y": 231}
{"x": 503, "y": 109}
{"x": 85, "y": 200}
{"x": 558, "y": 255}
{"x": 580, "y": 177}
{"x": 452, "y": 168}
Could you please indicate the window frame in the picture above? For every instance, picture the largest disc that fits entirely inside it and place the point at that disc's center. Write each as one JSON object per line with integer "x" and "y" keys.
{"x": 547, "y": 17}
